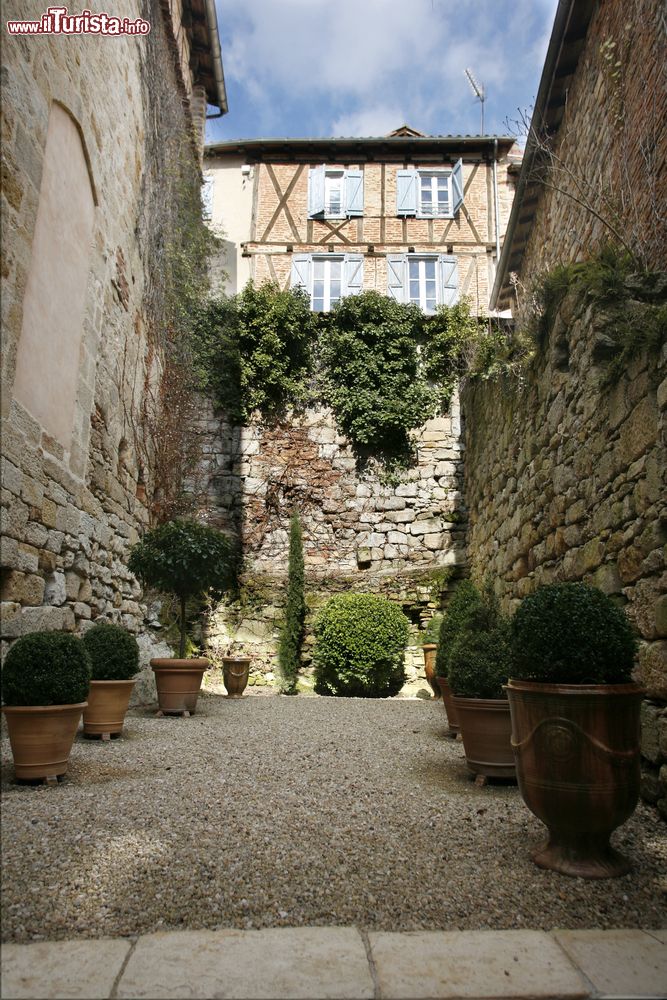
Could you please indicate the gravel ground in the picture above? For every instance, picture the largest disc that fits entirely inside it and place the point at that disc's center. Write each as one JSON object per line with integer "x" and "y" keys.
{"x": 274, "y": 811}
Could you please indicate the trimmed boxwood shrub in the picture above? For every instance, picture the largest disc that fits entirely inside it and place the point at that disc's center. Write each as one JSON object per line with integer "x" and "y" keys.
{"x": 360, "y": 642}
{"x": 570, "y": 633}
{"x": 479, "y": 663}
{"x": 464, "y": 601}
{"x": 114, "y": 653}
{"x": 432, "y": 631}
{"x": 46, "y": 668}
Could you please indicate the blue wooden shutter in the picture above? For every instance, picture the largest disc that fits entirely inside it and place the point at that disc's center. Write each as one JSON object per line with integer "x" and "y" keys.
{"x": 396, "y": 265}
{"x": 354, "y": 273}
{"x": 316, "y": 191}
{"x": 301, "y": 271}
{"x": 457, "y": 187}
{"x": 406, "y": 192}
{"x": 449, "y": 280}
{"x": 354, "y": 192}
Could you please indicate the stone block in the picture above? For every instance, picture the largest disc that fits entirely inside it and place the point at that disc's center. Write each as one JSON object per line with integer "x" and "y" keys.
{"x": 11, "y": 477}
{"x": 400, "y": 516}
{"x": 28, "y": 558}
{"x": 10, "y": 619}
{"x": 24, "y": 588}
{"x": 427, "y": 526}
{"x": 607, "y": 579}
{"x": 32, "y": 492}
{"x": 9, "y": 551}
{"x": 660, "y": 612}
{"x": 639, "y": 431}
{"x": 650, "y": 732}
{"x": 49, "y": 513}
{"x": 73, "y": 585}
{"x": 434, "y": 542}
{"x": 45, "y": 618}
{"x": 653, "y": 669}
{"x": 397, "y": 537}
{"x": 55, "y": 592}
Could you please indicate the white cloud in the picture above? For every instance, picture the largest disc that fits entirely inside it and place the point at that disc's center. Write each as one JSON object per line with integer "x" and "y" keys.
{"x": 366, "y": 65}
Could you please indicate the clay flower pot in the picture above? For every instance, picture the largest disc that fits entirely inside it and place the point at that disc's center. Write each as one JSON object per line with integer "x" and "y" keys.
{"x": 578, "y": 767}
{"x": 430, "y": 649}
{"x": 41, "y": 737}
{"x": 107, "y": 704}
{"x": 235, "y": 670}
{"x": 178, "y": 683}
{"x": 486, "y": 731}
{"x": 450, "y": 707}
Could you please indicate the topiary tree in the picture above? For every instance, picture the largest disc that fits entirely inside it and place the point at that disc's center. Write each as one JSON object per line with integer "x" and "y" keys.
{"x": 570, "y": 633}
{"x": 360, "y": 642}
{"x": 479, "y": 662}
{"x": 291, "y": 638}
{"x": 186, "y": 559}
{"x": 431, "y": 633}
{"x": 114, "y": 653}
{"x": 46, "y": 668}
{"x": 465, "y": 600}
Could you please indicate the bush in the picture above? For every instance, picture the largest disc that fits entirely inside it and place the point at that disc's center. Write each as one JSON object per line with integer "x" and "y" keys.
{"x": 479, "y": 662}
{"x": 46, "y": 668}
{"x": 360, "y": 642}
{"x": 432, "y": 631}
{"x": 113, "y": 652}
{"x": 465, "y": 599}
{"x": 571, "y": 633}
{"x": 291, "y": 637}
{"x": 186, "y": 559}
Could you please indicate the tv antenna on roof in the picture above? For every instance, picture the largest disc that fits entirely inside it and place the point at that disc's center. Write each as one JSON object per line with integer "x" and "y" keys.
{"x": 478, "y": 91}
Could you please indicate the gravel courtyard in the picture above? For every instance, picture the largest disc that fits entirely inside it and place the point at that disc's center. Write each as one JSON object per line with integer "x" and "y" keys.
{"x": 275, "y": 811}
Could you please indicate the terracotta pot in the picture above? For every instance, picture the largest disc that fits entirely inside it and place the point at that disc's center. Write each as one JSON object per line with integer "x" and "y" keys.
{"x": 178, "y": 683}
{"x": 450, "y": 707}
{"x": 107, "y": 704}
{"x": 235, "y": 670}
{"x": 430, "y": 649}
{"x": 41, "y": 737}
{"x": 486, "y": 730}
{"x": 578, "y": 767}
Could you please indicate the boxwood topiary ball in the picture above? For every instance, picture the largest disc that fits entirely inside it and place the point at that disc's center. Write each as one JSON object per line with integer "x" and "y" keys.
{"x": 479, "y": 663}
{"x": 114, "y": 653}
{"x": 46, "y": 668}
{"x": 571, "y": 633}
{"x": 360, "y": 642}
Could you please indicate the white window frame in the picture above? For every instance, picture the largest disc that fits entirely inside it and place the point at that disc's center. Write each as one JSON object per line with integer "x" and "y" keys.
{"x": 351, "y": 275}
{"x": 446, "y": 279}
{"x": 434, "y": 176}
{"x": 422, "y": 260}
{"x": 334, "y": 176}
{"x": 350, "y": 183}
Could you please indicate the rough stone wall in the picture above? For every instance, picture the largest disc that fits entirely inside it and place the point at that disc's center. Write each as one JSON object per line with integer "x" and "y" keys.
{"x": 564, "y": 481}
{"x": 68, "y": 515}
{"x": 359, "y": 534}
{"x": 613, "y": 140}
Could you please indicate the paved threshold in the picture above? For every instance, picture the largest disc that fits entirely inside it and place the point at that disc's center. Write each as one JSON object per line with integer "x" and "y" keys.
{"x": 342, "y": 963}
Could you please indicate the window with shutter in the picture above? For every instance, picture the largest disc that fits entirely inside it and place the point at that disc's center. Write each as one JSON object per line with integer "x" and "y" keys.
{"x": 396, "y": 276}
{"x": 327, "y": 277}
{"x": 427, "y": 280}
{"x": 429, "y": 194}
{"x": 406, "y": 192}
{"x": 334, "y": 193}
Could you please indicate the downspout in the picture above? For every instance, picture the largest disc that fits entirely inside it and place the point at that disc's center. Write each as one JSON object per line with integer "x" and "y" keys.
{"x": 214, "y": 37}
{"x": 495, "y": 200}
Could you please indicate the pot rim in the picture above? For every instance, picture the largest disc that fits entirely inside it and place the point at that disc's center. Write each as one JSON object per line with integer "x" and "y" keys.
{"x": 236, "y": 659}
{"x": 593, "y": 690}
{"x": 429, "y": 645}
{"x": 131, "y": 680}
{"x": 27, "y": 709}
{"x": 494, "y": 704}
{"x": 173, "y": 663}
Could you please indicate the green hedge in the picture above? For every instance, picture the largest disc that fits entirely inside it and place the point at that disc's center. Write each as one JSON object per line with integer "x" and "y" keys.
{"x": 571, "y": 633}
{"x": 46, "y": 668}
{"x": 114, "y": 653}
{"x": 360, "y": 642}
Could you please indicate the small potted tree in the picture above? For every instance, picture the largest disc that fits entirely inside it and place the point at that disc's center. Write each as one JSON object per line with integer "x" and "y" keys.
{"x": 186, "y": 559}
{"x": 478, "y": 670}
{"x": 45, "y": 680}
{"x": 429, "y": 641}
{"x": 464, "y": 600}
{"x": 575, "y": 724}
{"x": 114, "y": 657}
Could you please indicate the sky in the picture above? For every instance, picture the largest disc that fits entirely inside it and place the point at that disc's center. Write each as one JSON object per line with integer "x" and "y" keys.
{"x": 322, "y": 68}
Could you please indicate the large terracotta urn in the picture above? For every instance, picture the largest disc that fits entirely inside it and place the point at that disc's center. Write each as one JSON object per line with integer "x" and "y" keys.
{"x": 486, "y": 731}
{"x": 450, "y": 708}
{"x": 235, "y": 673}
{"x": 429, "y": 650}
{"x": 108, "y": 702}
{"x": 41, "y": 738}
{"x": 178, "y": 683}
{"x": 578, "y": 767}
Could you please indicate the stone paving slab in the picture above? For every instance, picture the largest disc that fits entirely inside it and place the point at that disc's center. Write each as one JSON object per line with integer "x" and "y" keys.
{"x": 619, "y": 963}
{"x": 71, "y": 970}
{"x": 286, "y": 963}
{"x": 342, "y": 963}
{"x": 451, "y": 964}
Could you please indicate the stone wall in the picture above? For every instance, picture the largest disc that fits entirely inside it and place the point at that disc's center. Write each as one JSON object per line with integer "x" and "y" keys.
{"x": 611, "y": 147}
{"x": 564, "y": 480}
{"x": 404, "y": 540}
{"x": 71, "y": 507}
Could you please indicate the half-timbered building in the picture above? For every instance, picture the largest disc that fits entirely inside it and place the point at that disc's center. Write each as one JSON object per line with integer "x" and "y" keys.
{"x": 421, "y": 218}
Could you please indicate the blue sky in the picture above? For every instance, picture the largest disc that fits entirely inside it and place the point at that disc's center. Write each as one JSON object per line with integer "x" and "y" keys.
{"x": 363, "y": 67}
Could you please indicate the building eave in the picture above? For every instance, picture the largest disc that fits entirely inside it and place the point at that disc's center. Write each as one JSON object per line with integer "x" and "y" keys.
{"x": 359, "y": 149}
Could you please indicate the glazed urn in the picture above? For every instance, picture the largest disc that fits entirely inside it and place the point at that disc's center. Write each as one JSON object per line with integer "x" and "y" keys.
{"x": 235, "y": 671}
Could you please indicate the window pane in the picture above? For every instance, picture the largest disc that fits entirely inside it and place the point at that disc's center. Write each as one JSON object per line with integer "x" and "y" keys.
{"x": 429, "y": 267}
{"x": 413, "y": 266}
{"x": 430, "y": 304}
{"x": 318, "y": 304}
{"x": 318, "y": 270}
{"x": 336, "y": 266}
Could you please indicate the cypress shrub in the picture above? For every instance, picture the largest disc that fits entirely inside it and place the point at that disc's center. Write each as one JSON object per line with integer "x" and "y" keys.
{"x": 291, "y": 637}
{"x": 46, "y": 668}
{"x": 465, "y": 600}
{"x": 114, "y": 653}
{"x": 360, "y": 642}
